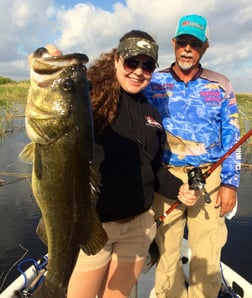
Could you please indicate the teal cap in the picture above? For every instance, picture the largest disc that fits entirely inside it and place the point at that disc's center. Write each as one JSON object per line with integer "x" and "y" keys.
{"x": 194, "y": 25}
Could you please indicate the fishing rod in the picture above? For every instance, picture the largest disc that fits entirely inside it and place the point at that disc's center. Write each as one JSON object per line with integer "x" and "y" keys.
{"x": 197, "y": 180}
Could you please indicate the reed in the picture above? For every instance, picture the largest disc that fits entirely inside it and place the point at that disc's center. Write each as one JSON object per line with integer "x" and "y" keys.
{"x": 14, "y": 91}
{"x": 244, "y": 102}
{"x": 13, "y": 96}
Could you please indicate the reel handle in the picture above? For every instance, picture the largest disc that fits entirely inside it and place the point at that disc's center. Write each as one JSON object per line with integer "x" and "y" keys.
{"x": 197, "y": 181}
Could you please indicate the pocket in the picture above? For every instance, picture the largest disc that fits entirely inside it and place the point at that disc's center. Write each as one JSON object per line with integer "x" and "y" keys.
{"x": 149, "y": 226}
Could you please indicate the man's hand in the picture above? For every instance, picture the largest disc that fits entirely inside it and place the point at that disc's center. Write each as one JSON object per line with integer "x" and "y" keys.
{"x": 226, "y": 199}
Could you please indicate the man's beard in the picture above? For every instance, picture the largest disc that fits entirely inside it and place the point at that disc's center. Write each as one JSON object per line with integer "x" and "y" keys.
{"x": 185, "y": 65}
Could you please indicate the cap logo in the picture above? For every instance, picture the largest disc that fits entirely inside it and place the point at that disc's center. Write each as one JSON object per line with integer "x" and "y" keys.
{"x": 143, "y": 44}
{"x": 193, "y": 24}
{"x": 134, "y": 46}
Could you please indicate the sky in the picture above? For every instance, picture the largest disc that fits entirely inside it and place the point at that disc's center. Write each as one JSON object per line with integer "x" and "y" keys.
{"x": 94, "y": 27}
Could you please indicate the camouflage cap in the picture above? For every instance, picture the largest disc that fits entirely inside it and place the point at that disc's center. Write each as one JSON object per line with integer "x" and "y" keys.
{"x": 134, "y": 46}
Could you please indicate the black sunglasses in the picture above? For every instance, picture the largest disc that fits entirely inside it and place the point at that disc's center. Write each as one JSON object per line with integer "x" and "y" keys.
{"x": 193, "y": 43}
{"x": 130, "y": 64}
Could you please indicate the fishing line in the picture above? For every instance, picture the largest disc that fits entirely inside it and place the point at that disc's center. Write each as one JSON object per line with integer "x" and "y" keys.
{"x": 21, "y": 175}
{"x": 4, "y": 183}
{"x": 15, "y": 174}
{"x": 15, "y": 264}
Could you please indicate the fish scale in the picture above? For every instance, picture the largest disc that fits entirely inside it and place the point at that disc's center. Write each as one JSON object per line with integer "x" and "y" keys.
{"x": 60, "y": 125}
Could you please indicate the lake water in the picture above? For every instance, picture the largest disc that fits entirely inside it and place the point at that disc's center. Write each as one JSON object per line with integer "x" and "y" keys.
{"x": 19, "y": 213}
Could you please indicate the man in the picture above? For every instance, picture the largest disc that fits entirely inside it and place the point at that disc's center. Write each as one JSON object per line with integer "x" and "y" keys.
{"x": 200, "y": 116}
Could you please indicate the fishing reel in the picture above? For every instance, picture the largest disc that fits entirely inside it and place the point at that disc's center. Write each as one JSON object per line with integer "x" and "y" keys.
{"x": 197, "y": 181}
{"x": 22, "y": 294}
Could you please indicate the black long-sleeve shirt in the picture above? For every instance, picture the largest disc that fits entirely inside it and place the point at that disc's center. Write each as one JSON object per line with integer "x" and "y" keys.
{"x": 129, "y": 156}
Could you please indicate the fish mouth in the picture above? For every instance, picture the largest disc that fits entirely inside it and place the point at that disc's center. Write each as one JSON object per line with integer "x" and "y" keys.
{"x": 45, "y": 69}
{"x": 53, "y": 64}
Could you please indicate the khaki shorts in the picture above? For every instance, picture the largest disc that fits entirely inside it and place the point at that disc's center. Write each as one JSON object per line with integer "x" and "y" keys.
{"x": 128, "y": 242}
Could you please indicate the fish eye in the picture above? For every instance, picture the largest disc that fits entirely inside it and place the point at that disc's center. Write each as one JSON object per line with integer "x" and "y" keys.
{"x": 68, "y": 85}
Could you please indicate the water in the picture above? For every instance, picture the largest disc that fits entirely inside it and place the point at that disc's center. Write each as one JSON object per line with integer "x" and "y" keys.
{"x": 19, "y": 213}
{"x": 237, "y": 251}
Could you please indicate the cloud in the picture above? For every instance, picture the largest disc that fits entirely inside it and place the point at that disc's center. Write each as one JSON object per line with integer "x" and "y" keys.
{"x": 84, "y": 27}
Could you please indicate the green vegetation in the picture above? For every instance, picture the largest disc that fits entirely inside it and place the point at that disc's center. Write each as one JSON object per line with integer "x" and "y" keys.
{"x": 244, "y": 102}
{"x": 13, "y": 91}
{"x": 4, "y": 80}
{"x": 13, "y": 95}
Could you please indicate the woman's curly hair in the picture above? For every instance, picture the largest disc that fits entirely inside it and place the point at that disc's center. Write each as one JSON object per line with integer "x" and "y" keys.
{"x": 105, "y": 90}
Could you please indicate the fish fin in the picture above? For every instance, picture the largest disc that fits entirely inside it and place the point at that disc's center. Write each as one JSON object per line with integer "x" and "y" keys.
{"x": 41, "y": 231}
{"x": 95, "y": 182}
{"x": 96, "y": 236}
{"x": 38, "y": 161}
{"x": 26, "y": 155}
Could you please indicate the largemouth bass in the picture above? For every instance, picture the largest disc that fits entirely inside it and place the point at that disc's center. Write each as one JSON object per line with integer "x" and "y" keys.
{"x": 59, "y": 123}
{"x": 183, "y": 147}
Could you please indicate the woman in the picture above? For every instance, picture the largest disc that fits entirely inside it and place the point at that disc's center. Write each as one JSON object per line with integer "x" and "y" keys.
{"x": 128, "y": 152}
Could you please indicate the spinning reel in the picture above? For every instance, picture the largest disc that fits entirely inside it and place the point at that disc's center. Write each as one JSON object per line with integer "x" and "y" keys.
{"x": 197, "y": 181}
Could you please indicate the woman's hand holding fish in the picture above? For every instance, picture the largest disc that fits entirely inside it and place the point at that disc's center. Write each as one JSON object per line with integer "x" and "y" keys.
{"x": 50, "y": 50}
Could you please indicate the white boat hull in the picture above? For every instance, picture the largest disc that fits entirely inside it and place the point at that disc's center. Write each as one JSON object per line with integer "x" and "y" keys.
{"x": 145, "y": 285}
{"x": 231, "y": 279}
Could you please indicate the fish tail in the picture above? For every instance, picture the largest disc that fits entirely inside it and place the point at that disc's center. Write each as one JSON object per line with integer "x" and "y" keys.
{"x": 96, "y": 237}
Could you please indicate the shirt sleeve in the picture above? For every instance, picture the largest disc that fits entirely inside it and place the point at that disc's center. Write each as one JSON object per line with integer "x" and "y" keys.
{"x": 167, "y": 184}
{"x": 230, "y": 174}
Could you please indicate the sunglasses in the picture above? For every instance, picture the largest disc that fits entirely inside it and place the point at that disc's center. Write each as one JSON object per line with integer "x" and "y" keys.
{"x": 131, "y": 64}
{"x": 192, "y": 43}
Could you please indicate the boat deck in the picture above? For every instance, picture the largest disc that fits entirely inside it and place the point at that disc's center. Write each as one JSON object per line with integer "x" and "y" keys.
{"x": 145, "y": 285}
